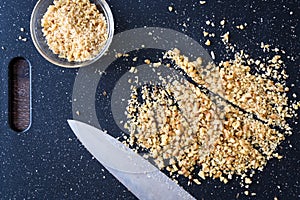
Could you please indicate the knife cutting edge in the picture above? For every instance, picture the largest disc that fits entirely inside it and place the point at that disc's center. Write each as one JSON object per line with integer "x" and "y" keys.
{"x": 142, "y": 178}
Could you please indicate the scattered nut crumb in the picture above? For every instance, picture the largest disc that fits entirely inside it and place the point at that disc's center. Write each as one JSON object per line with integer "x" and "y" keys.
{"x": 156, "y": 64}
{"x": 147, "y": 61}
{"x": 225, "y": 38}
{"x": 207, "y": 43}
{"x": 248, "y": 181}
{"x": 197, "y": 181}
{"x": 265, "y": 47}
{"x": 205, "y": 33}
{"x": 212, "y": 55}
{"x": 222, "y": 22}
{"x": 133, "y": 70}
{"x": 211, "y": 35}
{"x": 118, "y": 55}
{"x": 241, "y": 27}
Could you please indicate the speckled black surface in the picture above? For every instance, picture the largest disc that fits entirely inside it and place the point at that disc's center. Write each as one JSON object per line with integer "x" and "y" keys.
{"x": 48, "y": 162}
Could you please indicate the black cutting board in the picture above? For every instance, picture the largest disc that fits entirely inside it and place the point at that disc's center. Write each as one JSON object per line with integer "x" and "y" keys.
{"x": 48, "y": 162}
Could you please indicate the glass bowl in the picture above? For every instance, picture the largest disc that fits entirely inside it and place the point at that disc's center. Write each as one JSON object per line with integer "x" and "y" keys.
{"x": 41, "y": 45}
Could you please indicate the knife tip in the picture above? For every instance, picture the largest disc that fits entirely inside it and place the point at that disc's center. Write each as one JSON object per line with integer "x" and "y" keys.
{"x": 70, "y": 121}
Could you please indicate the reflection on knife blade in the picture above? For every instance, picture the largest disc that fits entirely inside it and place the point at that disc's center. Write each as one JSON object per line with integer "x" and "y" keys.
{"x": 143, "y": 179}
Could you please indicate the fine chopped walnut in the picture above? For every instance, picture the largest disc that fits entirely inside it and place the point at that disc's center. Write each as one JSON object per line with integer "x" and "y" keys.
{"x": 185, "y": 129}
{"x": 75, "y": 29}
{"x": 178, "y": 134}
{"x": 253, "y": 93}
{"x": 244, "y": 144}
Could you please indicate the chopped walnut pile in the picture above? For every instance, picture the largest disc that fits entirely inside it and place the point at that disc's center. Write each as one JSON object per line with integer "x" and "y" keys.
{"x": 75, "y": 29}
{"x": 253, "y": 93}
{"x": 178, "y": 134}
{"x": 194, "y": 134}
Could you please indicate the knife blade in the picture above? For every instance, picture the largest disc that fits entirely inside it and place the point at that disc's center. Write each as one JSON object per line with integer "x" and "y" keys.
{"x": 142, "y": 178}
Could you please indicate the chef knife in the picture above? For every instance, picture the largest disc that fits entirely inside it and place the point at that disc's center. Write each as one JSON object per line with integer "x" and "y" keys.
{"x": 142, "y": 178}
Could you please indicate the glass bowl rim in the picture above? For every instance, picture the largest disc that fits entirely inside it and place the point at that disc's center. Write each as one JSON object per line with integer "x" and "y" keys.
{"x": 110, "y": 30}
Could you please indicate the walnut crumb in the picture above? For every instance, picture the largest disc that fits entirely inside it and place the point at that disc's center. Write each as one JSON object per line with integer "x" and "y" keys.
{"x": 207, "y": 43}
{"x": 248, "y": 181}
{"x": 147, "y": 61}
{"x": 205, "y": 33}
{"x": 222, "y": 22}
